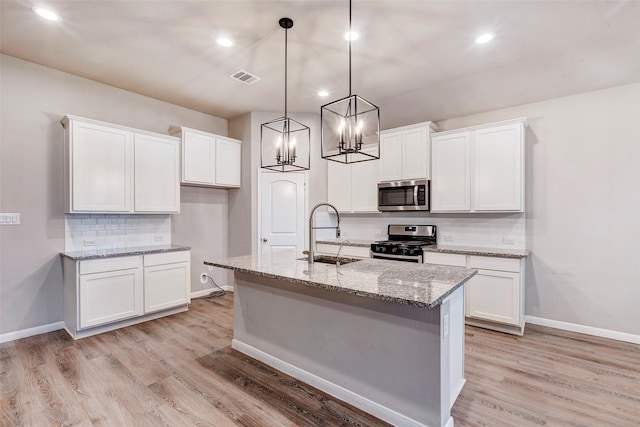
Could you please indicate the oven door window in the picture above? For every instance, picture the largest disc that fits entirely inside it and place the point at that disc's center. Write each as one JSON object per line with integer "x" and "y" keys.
{"x": 396, "y": 196}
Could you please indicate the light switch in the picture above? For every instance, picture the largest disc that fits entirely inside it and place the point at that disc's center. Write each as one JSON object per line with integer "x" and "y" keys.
{"x": 9, "y": 218}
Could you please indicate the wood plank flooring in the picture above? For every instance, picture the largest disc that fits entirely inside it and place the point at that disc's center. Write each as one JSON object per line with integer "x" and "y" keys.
{"x": 181, "y": 371}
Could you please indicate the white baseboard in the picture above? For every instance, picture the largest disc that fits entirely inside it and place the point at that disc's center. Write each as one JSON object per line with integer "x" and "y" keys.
{"x": 367, "y": 405}
{"x": 24, "y": 333}
{"x": 589, "y": 330}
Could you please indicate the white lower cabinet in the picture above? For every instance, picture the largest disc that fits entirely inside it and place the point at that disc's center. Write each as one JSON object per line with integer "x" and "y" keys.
{"x": 166, "y": 277}
{"x": 105, "y": 294}
{"x": 110, "y": 296}
{"x": 494, "y": 297}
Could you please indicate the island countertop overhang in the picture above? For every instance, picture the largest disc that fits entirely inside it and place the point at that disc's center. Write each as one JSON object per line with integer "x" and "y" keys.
{"x": 419, "y": 285}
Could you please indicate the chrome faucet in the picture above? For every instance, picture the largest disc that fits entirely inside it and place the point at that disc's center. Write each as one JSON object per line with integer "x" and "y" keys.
{"x": 311, "y": 228}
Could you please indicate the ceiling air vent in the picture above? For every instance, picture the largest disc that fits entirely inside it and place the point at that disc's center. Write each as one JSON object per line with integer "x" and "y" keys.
{"x": 244, "y": 77}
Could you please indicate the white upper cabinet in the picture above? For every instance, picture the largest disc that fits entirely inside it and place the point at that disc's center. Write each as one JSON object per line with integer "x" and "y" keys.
{"x": 99, "y": 168}
{"x": 353, "y": 187}
{"x": 157, "y": 174}
{"x": 498, "y": 174}
{"x": 209, "y": 160}
{"x": 227, "y": 162}
{"x": 115, "y": 169}
{"x": 479, "y": 169}
{"x": 405, "y": 152}
{"x": 198, "y": 158}
{"x": 391, "y": 156}
{"x": 450, "y": 172}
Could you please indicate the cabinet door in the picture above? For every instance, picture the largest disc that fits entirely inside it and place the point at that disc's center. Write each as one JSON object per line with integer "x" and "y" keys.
{"x": 101, "y": 165}
{"x": 166, "y": 286}
{"x": 110, "y": 296}
{"x": 198, "y": 153}
{"x": 364, "y": 186}
{"x": 339, "y": 185}
{"x": 391, "y": 156}
{"x": 498, "y": 168}
{"x": 494, "y": 296}
{"x": 157, "y": 174}
{"x": 227, "y": 162}
{"x": 415, "y": 153}
{"x": 451, "y": 172}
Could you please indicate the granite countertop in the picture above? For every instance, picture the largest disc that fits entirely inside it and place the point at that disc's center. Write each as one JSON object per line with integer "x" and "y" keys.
{"x": 478, "y": 250}
{"x": 420, "y": 285}
{"x": 116, "y": 252}
{"x": 347, "y": 242}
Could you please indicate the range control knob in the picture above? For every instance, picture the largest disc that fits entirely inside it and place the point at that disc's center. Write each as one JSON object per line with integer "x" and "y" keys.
{"x": 394, "y": 250}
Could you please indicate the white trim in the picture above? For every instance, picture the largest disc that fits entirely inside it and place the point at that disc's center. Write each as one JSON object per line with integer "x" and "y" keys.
{"x": 24, "y": 333}
{"x": 367, "y": 405}
{"x": 589, "y": 330}
{"x": 205, "y": 292}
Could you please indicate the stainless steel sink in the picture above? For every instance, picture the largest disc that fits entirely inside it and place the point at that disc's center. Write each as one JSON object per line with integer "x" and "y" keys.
{"x": 329, "y": 259}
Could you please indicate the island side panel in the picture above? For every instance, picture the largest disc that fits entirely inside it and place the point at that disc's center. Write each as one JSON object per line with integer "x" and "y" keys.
{"x": 389, "y": 359}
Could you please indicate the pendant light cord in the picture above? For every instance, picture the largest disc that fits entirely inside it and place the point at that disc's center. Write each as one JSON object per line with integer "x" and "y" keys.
{"x": 350, "y": 37}
{"x": 286, "y": 32}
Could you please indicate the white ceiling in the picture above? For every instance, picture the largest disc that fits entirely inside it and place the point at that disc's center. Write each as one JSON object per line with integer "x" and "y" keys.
{"x": 417, "y": 60}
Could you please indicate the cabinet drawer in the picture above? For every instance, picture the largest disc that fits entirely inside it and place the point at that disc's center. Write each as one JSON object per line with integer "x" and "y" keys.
{"x": 494, "y": 263}
{"x": 110, "y": 264}
{"x": 167, "y": 258}
{"x": 455, "y": 260}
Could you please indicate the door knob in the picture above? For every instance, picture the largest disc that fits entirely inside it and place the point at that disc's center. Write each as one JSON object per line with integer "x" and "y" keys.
{"x": 264, "y": 239}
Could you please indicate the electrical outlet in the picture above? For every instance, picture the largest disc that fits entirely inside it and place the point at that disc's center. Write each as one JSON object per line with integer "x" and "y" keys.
{"x": 447, "y": 237}
{"x": 210, "y": 268}
{"x": 445, "y": 326}
{"x": 508, "y": 240}
{"x": 159, "y": 238}
{"x": 90, "y": 242}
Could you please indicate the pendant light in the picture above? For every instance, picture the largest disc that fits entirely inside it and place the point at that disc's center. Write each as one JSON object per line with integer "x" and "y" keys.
{"x": 285, "y": 142}
{"x": 350, "y": 126}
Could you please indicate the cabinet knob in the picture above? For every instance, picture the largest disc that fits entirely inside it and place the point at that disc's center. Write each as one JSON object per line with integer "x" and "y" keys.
{"x": 265, "y": 240}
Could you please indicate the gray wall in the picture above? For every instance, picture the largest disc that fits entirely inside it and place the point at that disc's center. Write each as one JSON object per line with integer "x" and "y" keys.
{"x": 33, "y": 100}
{"x": 583, "y": 199}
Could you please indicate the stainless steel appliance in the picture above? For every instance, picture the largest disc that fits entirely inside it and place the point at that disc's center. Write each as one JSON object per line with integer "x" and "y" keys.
{"x": 403, "y": 195}
{"x": 405, "y": 242}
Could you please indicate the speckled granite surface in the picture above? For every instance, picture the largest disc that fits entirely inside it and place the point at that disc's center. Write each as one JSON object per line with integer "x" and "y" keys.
{"x": 110, "y": 253}
{"x": 473, "y": 250}
{"x": 347, "y": 242}
{"x": 420, "y": 285}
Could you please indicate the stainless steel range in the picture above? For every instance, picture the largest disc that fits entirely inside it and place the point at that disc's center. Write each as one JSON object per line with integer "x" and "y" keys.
{"x": 405, "y": 242}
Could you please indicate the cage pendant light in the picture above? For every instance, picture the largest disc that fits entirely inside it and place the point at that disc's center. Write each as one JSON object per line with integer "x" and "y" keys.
{"x": 284, "y": 142}
{"x": 350, "y": 126}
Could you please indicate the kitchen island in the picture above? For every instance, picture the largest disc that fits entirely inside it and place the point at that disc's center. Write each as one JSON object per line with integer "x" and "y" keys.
{"x": 384, "y": 336}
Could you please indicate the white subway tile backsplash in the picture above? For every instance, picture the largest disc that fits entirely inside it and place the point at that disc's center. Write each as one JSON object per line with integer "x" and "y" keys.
{"x": 484, "y": 230}
{"x": 115, "y": 231}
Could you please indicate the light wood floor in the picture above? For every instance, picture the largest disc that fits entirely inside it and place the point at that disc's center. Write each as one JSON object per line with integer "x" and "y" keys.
{"x": 181, "y": 371}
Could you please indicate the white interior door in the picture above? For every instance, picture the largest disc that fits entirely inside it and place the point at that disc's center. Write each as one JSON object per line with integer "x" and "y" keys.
{"x": 282, "y": 206}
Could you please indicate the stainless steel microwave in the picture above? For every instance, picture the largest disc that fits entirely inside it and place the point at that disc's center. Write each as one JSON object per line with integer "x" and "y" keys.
{"x": 403, "y": 195}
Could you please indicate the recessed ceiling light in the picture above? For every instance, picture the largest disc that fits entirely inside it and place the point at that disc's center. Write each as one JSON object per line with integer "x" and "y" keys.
{"x": 484, "y": 38}
{"x": 223, "y": 41}
{"x": 323, "y": 93}
{"x": 352, "y": 35}
{"x": 47, "y": 14}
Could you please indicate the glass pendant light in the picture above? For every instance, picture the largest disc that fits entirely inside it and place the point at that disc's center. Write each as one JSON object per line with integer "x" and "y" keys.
{"x": 350, "y": 126}
{"x": 285, "y": 142}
